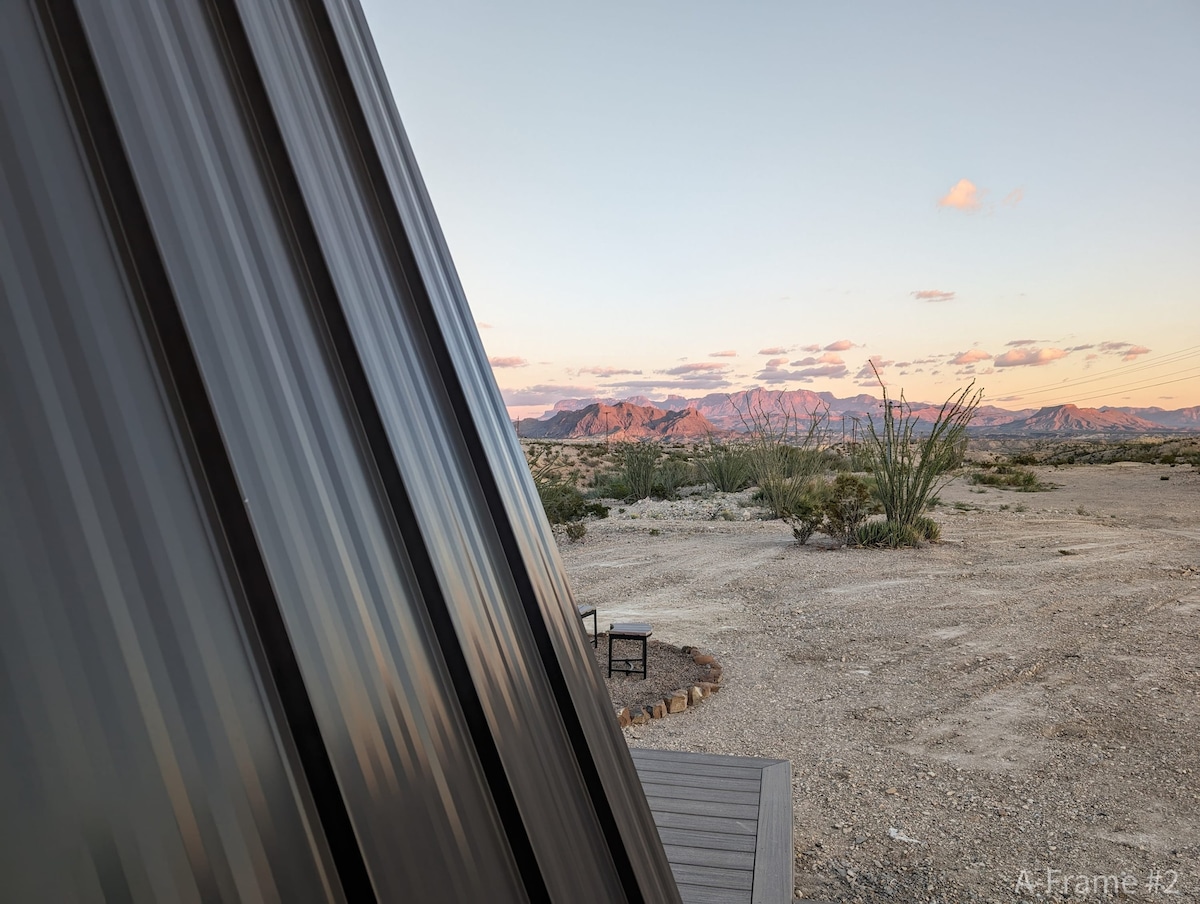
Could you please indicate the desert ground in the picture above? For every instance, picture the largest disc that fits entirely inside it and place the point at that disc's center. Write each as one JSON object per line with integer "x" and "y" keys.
{"x": 1009, "y": 714}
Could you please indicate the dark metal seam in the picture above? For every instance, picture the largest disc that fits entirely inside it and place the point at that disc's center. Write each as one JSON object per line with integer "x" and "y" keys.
{"x": 180, "y": 371}
{"x": 261, "y": 122}
{"x": 465, "y": 422}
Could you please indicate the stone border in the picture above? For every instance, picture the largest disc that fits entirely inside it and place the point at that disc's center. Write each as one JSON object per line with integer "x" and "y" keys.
{"x": 679, "y": 700}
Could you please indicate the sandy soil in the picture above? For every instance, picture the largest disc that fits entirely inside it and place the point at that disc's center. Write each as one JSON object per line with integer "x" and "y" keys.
{"x": 1022, "y": 697}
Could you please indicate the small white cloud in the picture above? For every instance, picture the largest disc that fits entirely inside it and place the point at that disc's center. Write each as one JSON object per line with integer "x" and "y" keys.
{"x": 933, "y": 295}
{"x": 963, "y": 196}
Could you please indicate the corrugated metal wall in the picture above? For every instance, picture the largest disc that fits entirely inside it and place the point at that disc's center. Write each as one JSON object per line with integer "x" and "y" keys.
{"x": 281, "y": 618}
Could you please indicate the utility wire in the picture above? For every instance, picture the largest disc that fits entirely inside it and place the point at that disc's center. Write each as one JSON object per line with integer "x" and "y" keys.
{"x": 1116, "y": 373}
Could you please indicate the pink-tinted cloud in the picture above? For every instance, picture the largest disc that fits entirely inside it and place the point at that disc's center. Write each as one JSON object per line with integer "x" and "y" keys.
{"x": 775, "y": 362}
{"x": 933, "y": 295}
{"x": 810, "y": 348}
{"x": 840, "y": 346}
{"x": 1013, "y": 198}
{"x": 867, "y": 372}
{"x": 806, "y": 375}
{"x": 545, "y": 394}
{"x": 1029, "y": 357}
{"x": 512, "y": 361}
{"x": 684, "y": 384}
{"x": 804, "y": 362}
{"x": 830, "y": 358}
{"x": 1127, "y": 350}
{"x": 483, "y": 326}
{"x": 601, "y": 371}
{"x": 970, "y": 356}
{"x": 729, "y": 353}
{"x": 773, "y": 350}
{"x": 964, "y": 196}
{"x": 1019, "y": 342}
{"x": 697, "y": 367}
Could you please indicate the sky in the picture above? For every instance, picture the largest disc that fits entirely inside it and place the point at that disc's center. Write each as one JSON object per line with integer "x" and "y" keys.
{"x": 665, "y": 197}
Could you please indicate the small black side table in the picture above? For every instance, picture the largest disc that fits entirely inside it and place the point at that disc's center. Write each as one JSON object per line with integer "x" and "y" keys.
{"x": 629, "y": 665}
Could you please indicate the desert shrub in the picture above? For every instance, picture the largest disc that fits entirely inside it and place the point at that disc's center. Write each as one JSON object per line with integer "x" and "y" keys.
{"x": 562, "y": 501}
{"x": 725, "y": 466}
{"x": 670, "y": 476}
{"x": 780, "y": 495}
{"x": 808, "y": 513}
{"x": 576, "y": 530}
{"x": 1010, "y": 477}
{"x": 637, "y": 470}
{"x": 846, "y": 505}
{"x": 910, "y": 466}
{"x": 928, "y": 528}
{"x": 886, "y": 535}
{"x": 782, "y": 450}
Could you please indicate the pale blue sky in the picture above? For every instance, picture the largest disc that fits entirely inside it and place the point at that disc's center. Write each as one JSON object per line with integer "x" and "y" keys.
{"x": 635, "y": 186}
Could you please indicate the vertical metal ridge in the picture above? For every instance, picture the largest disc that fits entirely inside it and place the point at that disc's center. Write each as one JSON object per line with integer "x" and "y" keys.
{"x": 646, "y": 875}
{"x": 179, "y": 369}
{"x": 371, "y": 421}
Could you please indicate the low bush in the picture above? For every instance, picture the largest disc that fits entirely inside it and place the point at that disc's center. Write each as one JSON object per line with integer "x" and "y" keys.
{"x": 847, "y": 504}
{"x": 808, "y": 516}
{"x": 928, "y": 528}
{"x": 726, "y": 467}
{"x": 576, "y": 530}
{"x": 670, "y": 476}
{"x": 1010, "y": 477}
{"x": 563, "y": 502}
{"x": 887, "y": 535}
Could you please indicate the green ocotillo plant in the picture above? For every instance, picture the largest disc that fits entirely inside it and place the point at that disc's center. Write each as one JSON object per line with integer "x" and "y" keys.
{"x": 783, "y": 453}
{"x": 910, "y": 465}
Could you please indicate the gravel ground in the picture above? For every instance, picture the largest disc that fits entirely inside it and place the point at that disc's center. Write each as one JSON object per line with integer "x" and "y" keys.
{"x": 668, "y": 669}
{"x": 962, "y": 718}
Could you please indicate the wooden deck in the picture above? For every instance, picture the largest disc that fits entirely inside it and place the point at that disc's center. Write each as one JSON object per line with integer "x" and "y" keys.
{"x": 726, "y": 824}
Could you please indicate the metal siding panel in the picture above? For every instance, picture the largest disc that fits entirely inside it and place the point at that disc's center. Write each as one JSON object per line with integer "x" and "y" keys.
{"x": 141, "y": 759}
{"x": 472, "y": 570}
{"x": 496, "y": 456}
{"x": 349, "y": 598}
{"x": 362, "y": 459}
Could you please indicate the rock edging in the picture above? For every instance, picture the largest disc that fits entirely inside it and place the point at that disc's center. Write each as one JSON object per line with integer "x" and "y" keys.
{"x": 678, "y": 700}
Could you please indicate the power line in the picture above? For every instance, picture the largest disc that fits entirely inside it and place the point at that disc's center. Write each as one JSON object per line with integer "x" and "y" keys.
{"x": 1119, "y": 372}
{"x": 1121, "y": 387}
{"x": 1135, "y": 388}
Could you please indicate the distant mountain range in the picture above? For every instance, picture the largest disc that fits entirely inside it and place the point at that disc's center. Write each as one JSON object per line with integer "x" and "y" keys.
{"x": 677, "y": 417}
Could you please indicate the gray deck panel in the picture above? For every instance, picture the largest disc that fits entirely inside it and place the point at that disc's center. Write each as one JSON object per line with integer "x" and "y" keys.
{"x": 705, "y": 808}
{"x": 711, "y": 759}
{"x": 725, "y": 824}
{"x": 699, "y": 856}
{"x": 714, "y": 876}
{"x": 654, "y": 789}
{"x": 684, "y": 780}
{"x": 700, "y": 840}
{"x": 741, "y": 773}
{"x": 772, "y": 884}
{"x": 703, "y": 894}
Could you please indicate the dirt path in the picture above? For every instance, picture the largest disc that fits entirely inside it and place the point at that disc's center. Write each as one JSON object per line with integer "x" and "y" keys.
{"x": 1021, "y": 697}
